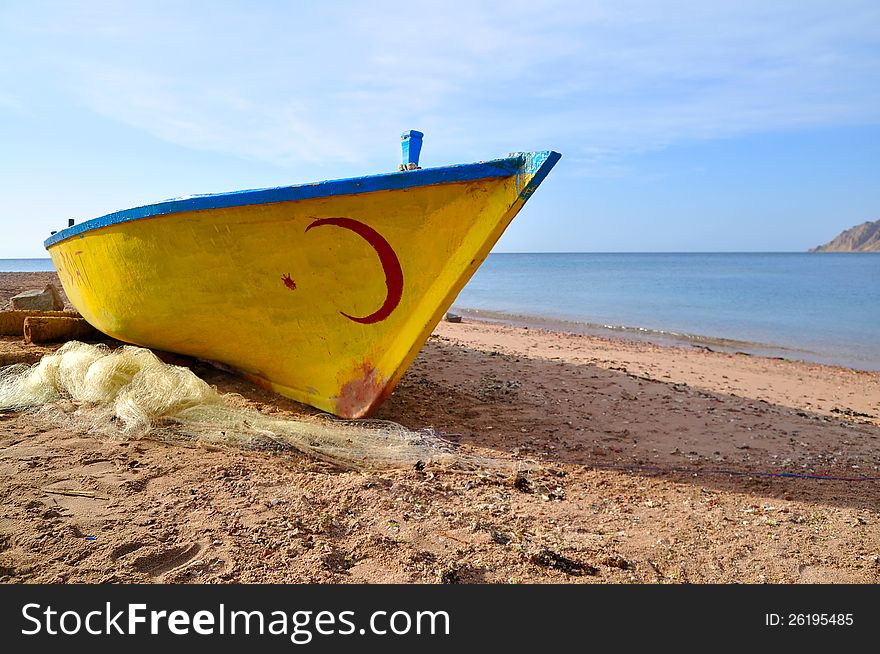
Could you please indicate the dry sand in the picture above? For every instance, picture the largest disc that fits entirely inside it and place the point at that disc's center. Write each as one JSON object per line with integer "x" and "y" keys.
{"x": 655, "y": 464}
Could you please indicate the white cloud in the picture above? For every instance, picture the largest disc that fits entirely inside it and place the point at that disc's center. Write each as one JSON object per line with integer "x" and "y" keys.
{"x": 301, "y": 83}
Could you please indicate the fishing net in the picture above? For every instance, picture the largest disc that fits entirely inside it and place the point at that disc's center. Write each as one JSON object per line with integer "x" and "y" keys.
{"x": 130, "y": 393}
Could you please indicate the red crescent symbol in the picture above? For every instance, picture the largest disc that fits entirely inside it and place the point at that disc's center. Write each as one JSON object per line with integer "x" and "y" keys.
{"x": 388, "y": 258}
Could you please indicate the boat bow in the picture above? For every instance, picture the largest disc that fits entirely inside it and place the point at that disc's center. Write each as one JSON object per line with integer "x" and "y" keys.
{"x": 322, "y": 292}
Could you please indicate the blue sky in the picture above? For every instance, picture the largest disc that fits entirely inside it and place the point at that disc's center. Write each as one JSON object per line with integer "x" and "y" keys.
{"x": 683, "y": 126}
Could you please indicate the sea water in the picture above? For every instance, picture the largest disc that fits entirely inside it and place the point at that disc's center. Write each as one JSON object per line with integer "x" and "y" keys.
{"x": 26, "y": 265}
{"x": 816, "y": 307}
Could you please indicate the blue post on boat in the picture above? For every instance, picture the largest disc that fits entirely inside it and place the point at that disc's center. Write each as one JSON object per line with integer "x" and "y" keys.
{"x": 411, "y": 142}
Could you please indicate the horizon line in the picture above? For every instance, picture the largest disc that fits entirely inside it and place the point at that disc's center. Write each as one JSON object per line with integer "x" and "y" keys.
{"x": 47, "y": 258}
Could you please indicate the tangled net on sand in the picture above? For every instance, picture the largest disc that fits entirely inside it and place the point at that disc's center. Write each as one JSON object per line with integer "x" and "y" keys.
{"x": 130, "y": 393}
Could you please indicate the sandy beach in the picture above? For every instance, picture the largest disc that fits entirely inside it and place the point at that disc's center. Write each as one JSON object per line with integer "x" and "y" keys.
{"x": 651, "y": 464}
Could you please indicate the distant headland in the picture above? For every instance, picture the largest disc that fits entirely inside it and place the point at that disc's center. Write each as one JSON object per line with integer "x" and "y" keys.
{"x": 861, "y": 238}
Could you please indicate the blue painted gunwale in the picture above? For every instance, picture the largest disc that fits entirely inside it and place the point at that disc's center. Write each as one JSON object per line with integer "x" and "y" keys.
{"x": 537, "y": 163}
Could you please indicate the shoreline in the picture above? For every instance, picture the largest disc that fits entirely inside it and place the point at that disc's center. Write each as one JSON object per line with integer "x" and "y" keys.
{"x": 647, "y": 464}
{"x": 659, "y": 337}
{"x": 833, "y": 390}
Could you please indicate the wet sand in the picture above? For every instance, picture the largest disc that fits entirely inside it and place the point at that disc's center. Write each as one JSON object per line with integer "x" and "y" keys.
{"x": 654, "y": 464}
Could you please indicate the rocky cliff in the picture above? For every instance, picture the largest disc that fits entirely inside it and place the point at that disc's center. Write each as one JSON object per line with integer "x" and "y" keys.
{"x": 861, "y": 238}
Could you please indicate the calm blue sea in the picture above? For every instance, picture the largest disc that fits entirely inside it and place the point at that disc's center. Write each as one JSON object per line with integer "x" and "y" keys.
{"x": 26, "y": 265}
{"x": 816, "y": 307}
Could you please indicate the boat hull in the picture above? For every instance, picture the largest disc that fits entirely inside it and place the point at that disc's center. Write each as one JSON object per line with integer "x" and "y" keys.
{"x": 326, "y": 300}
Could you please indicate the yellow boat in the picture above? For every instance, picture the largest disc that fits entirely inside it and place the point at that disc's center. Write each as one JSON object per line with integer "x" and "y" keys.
{"x": 322, "y": 292}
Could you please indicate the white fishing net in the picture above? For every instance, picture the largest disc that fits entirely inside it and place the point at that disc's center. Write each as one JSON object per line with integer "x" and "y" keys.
{"x": 130, "y": 393}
